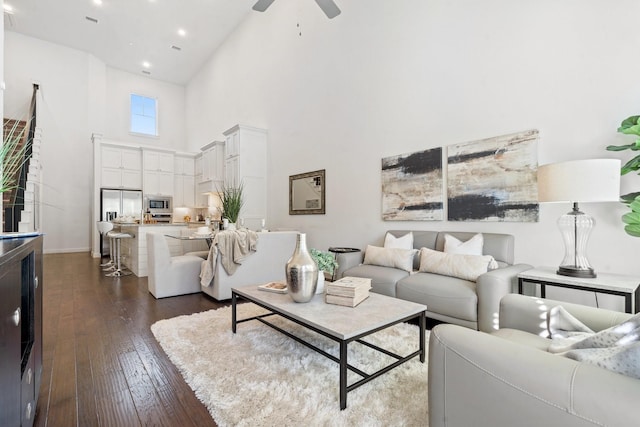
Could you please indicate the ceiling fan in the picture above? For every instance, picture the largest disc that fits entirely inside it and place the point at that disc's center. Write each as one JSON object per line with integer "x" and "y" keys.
{"x": 328, "y": 7}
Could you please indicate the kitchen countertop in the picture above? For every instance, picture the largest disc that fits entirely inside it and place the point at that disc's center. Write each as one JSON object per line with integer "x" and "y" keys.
{"x": 159, "y": 224}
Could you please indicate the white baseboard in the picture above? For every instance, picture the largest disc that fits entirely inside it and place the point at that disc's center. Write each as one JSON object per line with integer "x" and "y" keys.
{"x": 65, "y": 251}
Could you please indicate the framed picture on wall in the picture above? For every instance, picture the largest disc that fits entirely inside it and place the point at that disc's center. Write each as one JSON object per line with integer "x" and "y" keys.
{"x": 307, "y": 193}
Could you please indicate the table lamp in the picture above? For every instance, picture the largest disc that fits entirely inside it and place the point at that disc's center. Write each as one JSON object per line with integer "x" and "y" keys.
{"x": 592, "y": 180}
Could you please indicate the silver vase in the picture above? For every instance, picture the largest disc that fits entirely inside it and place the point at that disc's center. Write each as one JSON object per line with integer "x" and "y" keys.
{"x": 302, "y": 272}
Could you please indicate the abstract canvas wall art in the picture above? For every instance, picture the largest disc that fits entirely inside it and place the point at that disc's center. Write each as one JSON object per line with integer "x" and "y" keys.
{"x": 412, "y": 186}
{"x": 494, "y": 179}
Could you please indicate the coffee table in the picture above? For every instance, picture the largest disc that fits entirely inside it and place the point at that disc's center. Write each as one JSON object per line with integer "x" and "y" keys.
{"x": 341, "y": 324}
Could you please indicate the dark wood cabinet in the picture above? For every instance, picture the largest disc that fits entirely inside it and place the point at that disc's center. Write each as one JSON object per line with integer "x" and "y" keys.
{"x": 20, "y": 329}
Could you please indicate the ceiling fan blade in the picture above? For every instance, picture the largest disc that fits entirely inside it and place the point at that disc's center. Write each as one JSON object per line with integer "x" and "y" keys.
{"x": 262, "y": 5}
{"x": 329, "y": 8}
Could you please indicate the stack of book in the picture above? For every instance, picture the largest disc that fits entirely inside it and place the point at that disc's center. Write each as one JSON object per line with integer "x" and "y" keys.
{"x": 348, "y": 291}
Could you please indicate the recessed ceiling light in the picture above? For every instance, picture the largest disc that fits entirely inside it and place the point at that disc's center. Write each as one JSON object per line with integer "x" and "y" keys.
{"x": 182, "y": 32}
{"x": 146, "y": 64}
{"x": 97, "y": 2}
{"x": 7, "y": 8}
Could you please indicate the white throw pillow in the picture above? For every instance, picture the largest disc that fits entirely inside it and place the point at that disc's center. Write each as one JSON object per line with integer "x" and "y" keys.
{"x": 473, "y": 246}
{"x": 390, "y": 257}
{"x": 402, "y": 242}
{"x": 467, "y": 267}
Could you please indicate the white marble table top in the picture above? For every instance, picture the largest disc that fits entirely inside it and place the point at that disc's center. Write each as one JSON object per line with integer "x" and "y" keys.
{"x": 607, "y": 281}
{"x": 336, "y": 320}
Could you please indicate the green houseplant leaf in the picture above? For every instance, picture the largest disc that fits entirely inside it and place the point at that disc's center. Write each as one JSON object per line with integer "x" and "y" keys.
{"x": 325, "y": 260}
{"x": 631, "y": 218}
{"x": 629, "y": 122}
{"x": 633, "y": 230}
{"x": 232, "y": 202}
{"x": 628, "y": 198}
{"x": 12, "y": 156}
{"x": 630, "y": 126}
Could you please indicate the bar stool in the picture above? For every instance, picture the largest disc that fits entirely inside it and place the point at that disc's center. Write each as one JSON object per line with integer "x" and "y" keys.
{"x": 105, "y": 227}
{"x": 116, "y": 239}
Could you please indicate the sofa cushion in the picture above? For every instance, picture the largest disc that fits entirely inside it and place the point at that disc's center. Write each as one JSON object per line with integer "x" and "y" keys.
{"x": 445, "y": 295}
{"x": 421, "y": 239}
{"x": 467, "y": 267}
{"x": 383, "y": 279}
{"x": 390, "y": 257}
{"x": 473, "y": 246}
{"x": 402, "y": 242}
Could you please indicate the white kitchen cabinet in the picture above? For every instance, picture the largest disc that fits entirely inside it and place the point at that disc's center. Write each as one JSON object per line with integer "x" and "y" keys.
{"x": 158, "y": 183}
{"x": 246, "y": 164}
{"x": 121, "y": 168}
{"x": 158, "y": 161}
{"x": 184, "y": 165}
{"x": 158, "y": 172}
{"x": 184, "y": 191}
{"x": 198, "y": 167}
{"x": 184, "y": 181}
{"x": 212, "y": 161}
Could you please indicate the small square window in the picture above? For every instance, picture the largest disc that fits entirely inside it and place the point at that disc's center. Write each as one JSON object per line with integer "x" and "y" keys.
{"x": 144, "y": 115}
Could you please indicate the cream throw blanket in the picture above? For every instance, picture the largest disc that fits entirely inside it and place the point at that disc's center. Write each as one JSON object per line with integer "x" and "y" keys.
{"x": 234, "y": 246}
{"x": 616, "y": 348}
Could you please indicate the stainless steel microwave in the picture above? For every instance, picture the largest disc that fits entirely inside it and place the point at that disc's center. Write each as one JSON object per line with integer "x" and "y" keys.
{"x": 159, "y": 204}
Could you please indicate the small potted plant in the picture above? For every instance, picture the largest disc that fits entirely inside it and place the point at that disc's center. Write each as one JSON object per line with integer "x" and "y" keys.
{"x": 326, "y": 263}
{"x": 232, "y": 201}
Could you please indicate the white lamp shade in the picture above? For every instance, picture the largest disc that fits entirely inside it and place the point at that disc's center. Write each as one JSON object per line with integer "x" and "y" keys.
{"x": 592, "y": 180}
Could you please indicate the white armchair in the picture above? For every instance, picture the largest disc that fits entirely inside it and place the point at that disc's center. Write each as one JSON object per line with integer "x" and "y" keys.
{"x": 170, "y": 276}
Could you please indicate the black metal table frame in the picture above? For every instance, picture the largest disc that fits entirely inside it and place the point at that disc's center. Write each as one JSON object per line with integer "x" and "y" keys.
{"x": 342, "y": 359}
{"x": 629, "y": 297}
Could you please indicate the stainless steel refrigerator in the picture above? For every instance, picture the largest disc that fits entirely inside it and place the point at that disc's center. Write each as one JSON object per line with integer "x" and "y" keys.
{"x": 115, "y": 203}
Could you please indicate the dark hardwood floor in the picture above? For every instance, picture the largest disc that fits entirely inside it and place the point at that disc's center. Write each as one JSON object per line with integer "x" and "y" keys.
{"x": 102, "y": 366}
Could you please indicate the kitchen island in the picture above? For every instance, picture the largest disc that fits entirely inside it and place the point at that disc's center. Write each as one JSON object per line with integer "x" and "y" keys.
{"x": 135, "y": 250}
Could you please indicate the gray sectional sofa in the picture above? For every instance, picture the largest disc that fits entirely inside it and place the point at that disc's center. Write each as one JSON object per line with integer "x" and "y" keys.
{"x": 449, "y": 299}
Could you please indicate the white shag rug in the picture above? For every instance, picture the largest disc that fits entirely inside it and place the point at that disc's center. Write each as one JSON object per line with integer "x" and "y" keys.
{"x": 260, "y": 377}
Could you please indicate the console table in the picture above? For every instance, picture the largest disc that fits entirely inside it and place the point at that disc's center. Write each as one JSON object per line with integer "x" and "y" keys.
{"x": 613, "y": 284}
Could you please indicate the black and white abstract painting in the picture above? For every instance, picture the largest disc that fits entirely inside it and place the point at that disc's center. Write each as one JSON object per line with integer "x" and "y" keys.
{"x": 494, "y": 179}
{"x": 412, "y": 186}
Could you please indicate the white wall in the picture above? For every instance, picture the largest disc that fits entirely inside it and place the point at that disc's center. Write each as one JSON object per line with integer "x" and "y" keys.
{"x": 2, "y": 91}
{"x": 386, "y": 78}
{"x": 171, "y": 116}
{"x": 81, "y": 96}
{"x": 66, "y": 150}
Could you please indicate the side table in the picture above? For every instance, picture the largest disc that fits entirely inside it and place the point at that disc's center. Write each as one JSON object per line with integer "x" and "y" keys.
{"x": 613, "y": 284}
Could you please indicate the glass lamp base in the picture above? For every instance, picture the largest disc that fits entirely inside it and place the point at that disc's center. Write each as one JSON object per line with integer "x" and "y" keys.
{"x": 572, "y": 271}
{"x": 576, "y": 227}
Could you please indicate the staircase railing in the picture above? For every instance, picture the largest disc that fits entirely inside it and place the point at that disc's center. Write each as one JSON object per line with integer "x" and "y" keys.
{"x": 20, "y": 212}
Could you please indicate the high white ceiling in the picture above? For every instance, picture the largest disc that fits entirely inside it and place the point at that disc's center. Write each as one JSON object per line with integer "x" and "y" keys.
{"x": 130, "y": 32}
